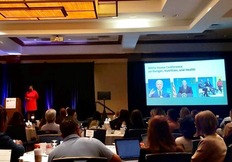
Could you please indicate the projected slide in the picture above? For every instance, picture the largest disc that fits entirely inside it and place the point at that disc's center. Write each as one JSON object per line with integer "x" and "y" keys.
{"x": 200, "y": 82}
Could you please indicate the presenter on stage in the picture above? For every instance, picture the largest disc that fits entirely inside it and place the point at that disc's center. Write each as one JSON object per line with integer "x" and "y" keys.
{"x": 158, "y": 92}
{"x": 31, "y": 97}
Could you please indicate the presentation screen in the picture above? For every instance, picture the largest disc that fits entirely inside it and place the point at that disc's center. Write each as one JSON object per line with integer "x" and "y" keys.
{"x": 201, "y": 82}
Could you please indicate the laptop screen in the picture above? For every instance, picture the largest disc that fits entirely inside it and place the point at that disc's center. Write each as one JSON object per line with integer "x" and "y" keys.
{"x": 127, "y": 148}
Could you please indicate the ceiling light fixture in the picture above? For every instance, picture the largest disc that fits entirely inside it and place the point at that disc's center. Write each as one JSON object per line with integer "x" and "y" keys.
{"x": 57, "y": 38}
{"x": 56, "y": 9}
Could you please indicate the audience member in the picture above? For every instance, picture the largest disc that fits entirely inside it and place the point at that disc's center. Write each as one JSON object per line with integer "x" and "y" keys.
{"x": 157, "y": 111}
{"x": 62, "y": 115}
{"x": 194, "y": 113}
{"x": 226, "y": 120}
{"x": 212, "y": 147}
{"x": 173, "y": 116}
{"x": 136, "y": 120}
{"x": 71, "y": 112}
{"x": 50, "y": 116}
{"x": 123, "y": 119}
{"x": 228, "y": 127}
{"x": 16, "y": 127}
{"x": 184, "y": 111}
{"x": 116, "y": 115}
{"x": 79, "y": 146}
{"x": 188, "y": 130}
{"x": 159, "y": 138}
{"x": 16, "y": 119}
{"x": 96, "y": 121}
{"x": 6, "y": 142}
{"x": 154, "y": 112}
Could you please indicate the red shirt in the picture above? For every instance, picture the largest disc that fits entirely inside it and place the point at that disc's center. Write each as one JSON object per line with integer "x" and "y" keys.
{"x": 31, "y": 98}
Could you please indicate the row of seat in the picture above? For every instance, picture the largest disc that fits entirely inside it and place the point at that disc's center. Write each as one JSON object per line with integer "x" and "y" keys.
{"x": 158, "y": 157}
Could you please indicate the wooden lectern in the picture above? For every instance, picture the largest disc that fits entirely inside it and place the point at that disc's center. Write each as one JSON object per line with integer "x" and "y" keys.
{"x": 12, "y": 105}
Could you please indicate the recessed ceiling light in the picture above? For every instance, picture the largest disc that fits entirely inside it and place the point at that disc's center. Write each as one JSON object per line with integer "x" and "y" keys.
{"x": 114, "y": 17}
{"x": 14, "y": 53}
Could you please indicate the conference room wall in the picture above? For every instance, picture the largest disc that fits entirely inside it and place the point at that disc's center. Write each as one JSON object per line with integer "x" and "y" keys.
{"x": 112, "y": 77}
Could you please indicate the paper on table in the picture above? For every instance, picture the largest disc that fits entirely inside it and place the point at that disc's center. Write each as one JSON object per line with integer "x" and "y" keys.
{"x": 89, "y": 133}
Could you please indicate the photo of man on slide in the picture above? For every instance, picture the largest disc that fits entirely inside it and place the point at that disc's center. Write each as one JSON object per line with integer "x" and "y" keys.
{"x": 185, "y": 90}
{"x": 158, "y": 92}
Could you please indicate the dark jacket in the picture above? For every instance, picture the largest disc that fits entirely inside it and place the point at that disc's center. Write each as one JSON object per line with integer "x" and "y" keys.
{"x": 7, "y": 143}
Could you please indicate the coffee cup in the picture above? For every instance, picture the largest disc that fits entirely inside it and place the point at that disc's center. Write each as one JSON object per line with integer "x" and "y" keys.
{"x": 38, "y": 155}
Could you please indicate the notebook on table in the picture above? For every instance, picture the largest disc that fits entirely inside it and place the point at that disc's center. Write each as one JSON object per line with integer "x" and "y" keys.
{"x": 128, "y": 149}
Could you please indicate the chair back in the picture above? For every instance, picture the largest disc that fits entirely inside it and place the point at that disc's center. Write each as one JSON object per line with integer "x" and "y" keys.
{"x": 228, "y": 157}
{"x": 80, "y": 159}
{"x": 49, "y": 137}
{"x": 39, "y": 132}
{"x": 99, "y": 134}
{"x": 135, "y": 133}
{"x": 169, "y": 157}
{"x": 195, "y": 145}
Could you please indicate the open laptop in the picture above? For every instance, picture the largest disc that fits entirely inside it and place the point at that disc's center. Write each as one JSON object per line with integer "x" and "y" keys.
{"x": 128, "y": 149}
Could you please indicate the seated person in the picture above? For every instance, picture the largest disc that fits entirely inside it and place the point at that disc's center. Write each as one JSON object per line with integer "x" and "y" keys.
{"x": 75, "y": 145}
{"x": 185, "y": 90}
{"x": 62, "y": 115}
{"x": 96, "y": 121}
{"x": 71, "y": 112}
{"x": 188, "y": 130}
{"x": 210, "y": 87}
{"x": 6, "y": 142}
{"x": 50, "y": 116}
{"x": 123, "y": 119}
{"x": 159, "y": 92}
{"x": 228, "y": 128}
{"x": 212, "y": 147}
{"x": 16, "y": 127}
{"x": 159, "y": 138}
{"x": 172, "y": 117}
{"x": 202, "y": 87}
{"x": 136, "y": 122}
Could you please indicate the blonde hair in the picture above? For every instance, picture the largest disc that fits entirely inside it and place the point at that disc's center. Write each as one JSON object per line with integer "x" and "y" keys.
{"x": 50, "y": 115}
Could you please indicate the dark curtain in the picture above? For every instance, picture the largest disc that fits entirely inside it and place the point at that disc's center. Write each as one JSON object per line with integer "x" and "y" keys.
{"x": 58, "y": 84}
{"x": 136, "y": 87}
